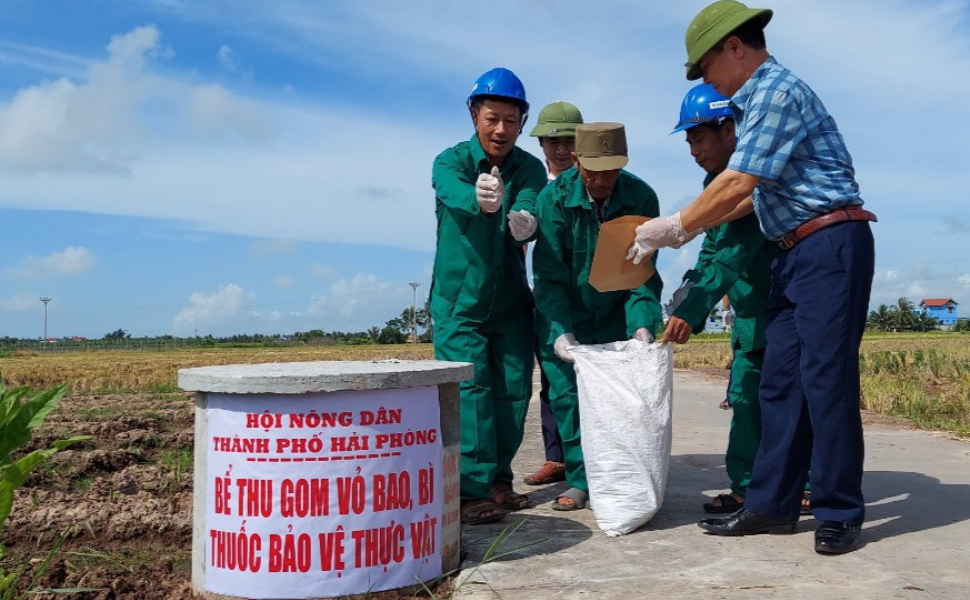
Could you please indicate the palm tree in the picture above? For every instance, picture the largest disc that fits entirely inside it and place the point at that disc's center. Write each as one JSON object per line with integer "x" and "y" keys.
{"x": 882, "y": 318}
{"x": 926, "y": 321}
{"x": 905, "y": 315}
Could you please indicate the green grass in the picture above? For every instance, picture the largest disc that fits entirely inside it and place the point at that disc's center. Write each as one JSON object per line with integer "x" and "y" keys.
{"x": 176, "y": 465}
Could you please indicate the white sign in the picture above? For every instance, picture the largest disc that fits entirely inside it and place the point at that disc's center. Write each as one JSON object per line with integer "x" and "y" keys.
{"x": 321, "y": 495}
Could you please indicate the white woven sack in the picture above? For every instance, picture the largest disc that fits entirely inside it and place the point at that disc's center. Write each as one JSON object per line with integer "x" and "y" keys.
{"x": 625, "y": 396}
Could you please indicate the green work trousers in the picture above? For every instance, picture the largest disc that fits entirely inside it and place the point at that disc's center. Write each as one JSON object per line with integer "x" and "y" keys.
{"x": 564, "y": 400}
{"x": 495, "y": 401}
{"x": 745, "y": 434}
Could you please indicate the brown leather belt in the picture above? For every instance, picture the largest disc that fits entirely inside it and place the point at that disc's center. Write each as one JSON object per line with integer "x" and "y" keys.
{"x": 840, "y": 215}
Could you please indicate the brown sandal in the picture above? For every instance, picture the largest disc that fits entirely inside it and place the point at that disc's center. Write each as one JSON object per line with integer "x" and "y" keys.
{"x": 508, "y": 499}
{"x": 551, "y": 472}
{"x": 480, "y": 511}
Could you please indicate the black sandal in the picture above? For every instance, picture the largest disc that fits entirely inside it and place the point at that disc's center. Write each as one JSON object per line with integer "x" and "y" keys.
{"x": 723, "y": 503}
{"x": 480, "y": 511}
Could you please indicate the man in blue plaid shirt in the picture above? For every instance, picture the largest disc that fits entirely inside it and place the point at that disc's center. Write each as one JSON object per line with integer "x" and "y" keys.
{"x": 792, "y": 162}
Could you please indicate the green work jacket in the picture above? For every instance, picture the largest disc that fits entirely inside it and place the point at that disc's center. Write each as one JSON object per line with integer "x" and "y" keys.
{"x": 479, "y": 270}
{"x": 735, "y": 259}
{"x": 563, "y": 254}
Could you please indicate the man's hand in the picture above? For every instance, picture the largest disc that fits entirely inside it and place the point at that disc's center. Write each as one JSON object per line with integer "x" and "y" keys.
{"x": 727, "y": 317}
{"x": 563, "y": 345}
{"x": 678, "y": 330}
{"x": 522, "y": 224}
{"x": 489, "y": 191}
{"x": 662, "y": 232}
{"x": 643, "y": 334}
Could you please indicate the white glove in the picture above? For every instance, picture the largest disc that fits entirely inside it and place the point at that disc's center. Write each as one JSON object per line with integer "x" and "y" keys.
{"x": 643, "y": 334}
{"x": 679, "y": 295}
{"x": 728, "y": 318}
{"x": 662, "y": 232}
{"x": 522, "y": 224}
{"x": 563, "y": 345}
{"x": 489, "y": 191}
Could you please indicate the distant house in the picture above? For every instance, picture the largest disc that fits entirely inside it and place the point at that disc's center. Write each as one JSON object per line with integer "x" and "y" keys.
{"x": 944, "y": 309}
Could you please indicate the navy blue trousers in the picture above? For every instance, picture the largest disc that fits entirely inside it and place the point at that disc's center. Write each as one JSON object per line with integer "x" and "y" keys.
{"x": 809, "y": 394}
{"x": 550, "y": 430}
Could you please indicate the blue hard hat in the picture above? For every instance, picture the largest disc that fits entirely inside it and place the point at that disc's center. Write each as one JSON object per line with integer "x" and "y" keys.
{"x": 502, "y": 83}
{"x": 703, "y": 104}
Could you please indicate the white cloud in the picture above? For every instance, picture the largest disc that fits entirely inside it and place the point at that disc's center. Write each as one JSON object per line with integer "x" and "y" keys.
{"x": 272, "y": 248}
{"x": 227, "y": 59}
{"x": 319, "y": 271}
{"x": 282, "y": 282}
{"x": 206, "y": 311}
{"x": 359, "y": 303}
{"x": 42, "y": 59}
{"x": 70, "y": 261}
{"x": 917, "y": 280}
{"x": 21, "y": 302}
{"x": 312, "y": 169}
{"x": 120, "y": 109}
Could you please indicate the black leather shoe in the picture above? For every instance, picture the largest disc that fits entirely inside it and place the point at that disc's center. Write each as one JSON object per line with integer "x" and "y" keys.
{"x": 833, "y": 537}
{"x": 745, "y": 522}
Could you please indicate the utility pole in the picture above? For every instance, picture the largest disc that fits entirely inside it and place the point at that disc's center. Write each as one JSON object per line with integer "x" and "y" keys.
{"x": 46, "y": 301}
{"x": 414, "y": 311}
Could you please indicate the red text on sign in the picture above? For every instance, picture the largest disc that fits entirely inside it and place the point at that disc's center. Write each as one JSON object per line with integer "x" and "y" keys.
{"x": 234, "y": 551}
{"x": 255, "y": 497}
{"x": 379, "y": 546}
{"x": 392, "y": 491}
{"x": 305, "y": 498}
{"x": 289, "y": 553}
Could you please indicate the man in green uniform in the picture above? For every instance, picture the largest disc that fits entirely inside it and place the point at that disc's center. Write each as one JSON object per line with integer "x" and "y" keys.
{"x": 735, "y": 260}
{"x": 556, "y": 130}
{"x": 485, "y": 194}
{"x": 569, "y": 311}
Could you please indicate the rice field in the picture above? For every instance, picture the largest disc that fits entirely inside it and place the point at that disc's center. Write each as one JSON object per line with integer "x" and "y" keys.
{"x": 924, "y": 377}
{"x": 137, "y": 371}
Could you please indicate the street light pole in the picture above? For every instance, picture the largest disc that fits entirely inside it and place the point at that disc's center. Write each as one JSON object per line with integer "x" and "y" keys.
{"x": 46, "y": 301}
{"x": 414, "y": 311}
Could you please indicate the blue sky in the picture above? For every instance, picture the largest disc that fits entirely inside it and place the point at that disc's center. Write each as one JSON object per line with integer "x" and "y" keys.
{"x": 222, "y": 167}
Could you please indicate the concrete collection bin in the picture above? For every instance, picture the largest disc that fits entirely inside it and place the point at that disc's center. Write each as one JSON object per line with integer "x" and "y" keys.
{"x": 324, "y": 479}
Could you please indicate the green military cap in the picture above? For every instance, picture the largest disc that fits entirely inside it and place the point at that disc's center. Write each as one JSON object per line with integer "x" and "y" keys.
{"x": 713, "y": 24}
{"x": 601, "y": 146}
{"x": 558, "y": 119}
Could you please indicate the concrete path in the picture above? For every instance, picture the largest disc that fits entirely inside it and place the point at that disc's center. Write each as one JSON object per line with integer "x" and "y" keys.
{"x": 916, "y": 540}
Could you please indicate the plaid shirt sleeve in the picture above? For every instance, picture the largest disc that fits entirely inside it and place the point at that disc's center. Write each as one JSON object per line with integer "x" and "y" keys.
{"x": 773, "y": 129}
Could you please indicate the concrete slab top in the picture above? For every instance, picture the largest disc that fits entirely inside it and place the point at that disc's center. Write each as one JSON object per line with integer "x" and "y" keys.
{"x": 322, "y": 376}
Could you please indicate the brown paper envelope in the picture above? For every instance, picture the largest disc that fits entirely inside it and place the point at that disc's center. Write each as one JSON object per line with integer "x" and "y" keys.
{"x": 611, "y": 271}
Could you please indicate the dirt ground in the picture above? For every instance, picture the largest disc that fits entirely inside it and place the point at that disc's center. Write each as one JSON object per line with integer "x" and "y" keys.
{"x": 125, "y": 497}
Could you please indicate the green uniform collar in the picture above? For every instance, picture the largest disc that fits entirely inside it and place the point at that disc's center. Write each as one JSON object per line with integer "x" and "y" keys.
{"x": 578, "y": 197}
{"x": 478, "y": 154}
